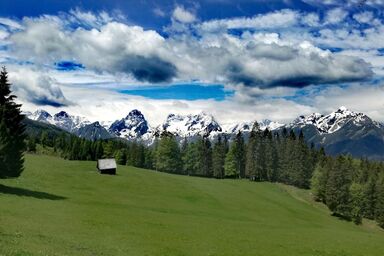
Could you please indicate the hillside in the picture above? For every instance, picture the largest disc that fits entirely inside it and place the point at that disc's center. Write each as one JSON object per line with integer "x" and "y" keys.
{"x": 63, "y": 207}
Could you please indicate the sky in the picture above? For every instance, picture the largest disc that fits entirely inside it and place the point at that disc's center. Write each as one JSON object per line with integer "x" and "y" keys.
{"x": 240, "y": 60}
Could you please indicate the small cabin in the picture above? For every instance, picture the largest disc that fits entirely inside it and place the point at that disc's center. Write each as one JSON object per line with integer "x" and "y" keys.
{"x": 107, "y": 166}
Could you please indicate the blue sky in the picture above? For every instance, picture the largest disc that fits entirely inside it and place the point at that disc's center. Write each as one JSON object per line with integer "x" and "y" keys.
{"x": 239, "y": 60}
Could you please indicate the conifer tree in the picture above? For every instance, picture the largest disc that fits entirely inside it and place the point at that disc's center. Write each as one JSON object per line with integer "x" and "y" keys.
{"x": 252, "y": 150}
{"x": 337, "y": 188}
{"x": 370, "y": 196}
{"x": 168, "y": 158}
{"x": 379, "y": 212}
{"x": 357, "y": 196}
{"x": 230, "y": 165}
{"x": 218, "y": 158}
{"x": 239, "y": 151}
{"x": 12, "y": 136}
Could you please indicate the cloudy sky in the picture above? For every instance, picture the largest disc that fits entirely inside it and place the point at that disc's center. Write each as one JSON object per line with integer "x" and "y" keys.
{"x": 238, "y": 60}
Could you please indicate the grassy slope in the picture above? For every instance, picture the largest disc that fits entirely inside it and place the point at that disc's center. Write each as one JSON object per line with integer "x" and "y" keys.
{"x": 65, "y": 208}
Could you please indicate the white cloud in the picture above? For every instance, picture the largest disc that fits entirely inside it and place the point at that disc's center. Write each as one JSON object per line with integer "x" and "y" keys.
{"x": 11, "y": 24}
{"x": 145, "y": 55}
{"x": 36, "y": 87}
{"x": 274, "y": 53}
{"x": 335, "y": 15}
{"x": 277, "y": 19}
{"x": 159, "y": 12}
{"x": 363, "y": 17}
{"x": 182, "y": 15}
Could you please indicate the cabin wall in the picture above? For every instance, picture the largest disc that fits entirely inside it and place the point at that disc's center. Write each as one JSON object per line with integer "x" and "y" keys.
{"x": 108, "y": 171}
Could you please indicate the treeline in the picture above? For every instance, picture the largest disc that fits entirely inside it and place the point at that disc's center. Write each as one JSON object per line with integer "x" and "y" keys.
{"x": 74, "y": 148}
{"x": 266, "y": 156}
{"x": 351, "y": 189}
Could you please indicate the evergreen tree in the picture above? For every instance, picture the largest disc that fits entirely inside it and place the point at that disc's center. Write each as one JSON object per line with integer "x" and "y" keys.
{"x": 231, "y": 164}
{"x": 357, "y": 196}
{"x": 168, "y": 157}
{"x": 379, "y": 212}
{"x": 31, "y": 146}
{"x": 319, "y": 180}
{"x": 12, "y": 144}
{"x": 238, "y": 149}
{"x": 252, "y": 150}
{"x": 218, "y": 158}
{"x": 337, "y": 188}
{"x": 121, "y": 157}
{"x": 370, "y": 197}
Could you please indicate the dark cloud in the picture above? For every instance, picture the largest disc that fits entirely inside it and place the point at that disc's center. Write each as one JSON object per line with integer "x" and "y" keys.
{"x": 45, "y": 101}
{"x": 149, "y": 69}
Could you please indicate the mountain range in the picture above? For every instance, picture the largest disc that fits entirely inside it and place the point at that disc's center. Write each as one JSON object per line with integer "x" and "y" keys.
{"x": 342, "y": 131}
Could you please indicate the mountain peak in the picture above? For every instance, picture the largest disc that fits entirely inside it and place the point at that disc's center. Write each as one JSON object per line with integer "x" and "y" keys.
{"x": 62, "y": 114}
{"x": 342, "y": 109}
{"x": 190, "y": 125}
{"x": 135, "y": 112}
{"x": 132, "y": 126}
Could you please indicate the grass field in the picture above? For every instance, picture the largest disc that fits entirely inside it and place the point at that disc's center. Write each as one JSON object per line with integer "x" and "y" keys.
{"x": 63, "y": 207}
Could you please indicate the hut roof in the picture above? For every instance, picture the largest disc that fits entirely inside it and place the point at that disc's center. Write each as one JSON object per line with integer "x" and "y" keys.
{"x": 104, "y": 164}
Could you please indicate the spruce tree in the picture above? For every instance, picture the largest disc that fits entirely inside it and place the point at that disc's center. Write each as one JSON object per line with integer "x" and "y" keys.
{"x": 337, "y": 188}
{"x": 252, "y": 149}
{"x": 218, "y": 158}
{"x": 379, "y": 212}
{"x": 12, "y": 136}
{"x": 239, "y": 148}
{"x": 230, "y": 165}
{"x": 168, "y": 157}
{"x": 357, "y": 196}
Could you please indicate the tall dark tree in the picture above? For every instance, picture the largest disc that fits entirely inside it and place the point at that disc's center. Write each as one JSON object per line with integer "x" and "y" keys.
{"x": 12, "y": 136}
{"x": 218, "y": 158}
{"x": 240, "y": 154}
{"x": 338, "y": 188}
{"x": 168, "y": 157}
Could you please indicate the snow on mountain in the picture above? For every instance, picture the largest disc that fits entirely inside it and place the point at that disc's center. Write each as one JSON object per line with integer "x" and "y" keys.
{"x": 62, "y": 120}
{"x": 190, "y": 125}
{"x": 247, "y": 126}
{"x": 93, "y": 131}
{"x": 133, "y": 126}
{"x": 41, "y": 116}
{"x": 334, "y": 121}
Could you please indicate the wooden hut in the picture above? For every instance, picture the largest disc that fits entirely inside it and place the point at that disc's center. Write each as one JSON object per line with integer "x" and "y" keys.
{"x": 107, "y": 166}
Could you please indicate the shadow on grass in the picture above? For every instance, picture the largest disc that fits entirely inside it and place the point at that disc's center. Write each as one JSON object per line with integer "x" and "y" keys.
{"x": 29, "y": 193}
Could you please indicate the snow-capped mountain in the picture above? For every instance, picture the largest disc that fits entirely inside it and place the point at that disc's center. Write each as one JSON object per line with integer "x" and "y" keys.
{"x": 190, "y": 125}
{"x": 133, "y": 126}
{"x": 334, "y": 121}
{"x": 93, "y": 131}
{"x": 247, "y": 126}
{"x": 62, "y": 120}
{"x": 342, "y": 131}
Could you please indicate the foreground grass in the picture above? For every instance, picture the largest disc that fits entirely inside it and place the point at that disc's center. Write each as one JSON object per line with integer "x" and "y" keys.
{"x": 66, "y": 208}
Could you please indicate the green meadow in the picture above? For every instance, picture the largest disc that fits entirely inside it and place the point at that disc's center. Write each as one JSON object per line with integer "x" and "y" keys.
{"x": 60, "y": 207}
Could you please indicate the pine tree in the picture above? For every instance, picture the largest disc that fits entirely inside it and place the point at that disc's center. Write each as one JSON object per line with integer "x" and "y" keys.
{"x": 252, "y": 149}
{"x": 370, "y": 196}
{"x": 319, "y": 180}
{"x": 357, "y": 196}
{"x": 218, "y": 158}
{"x": 337, "y": 188}
{"x": 12, "y": 136}
{"x": 190, "y": 159}
{"x": 121, "y": 157}
{"x": 230, "y": 165}
{"x": 379, "y": 212}
{"x": 168, "y": 157}
{"x": 239, "y": 151}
